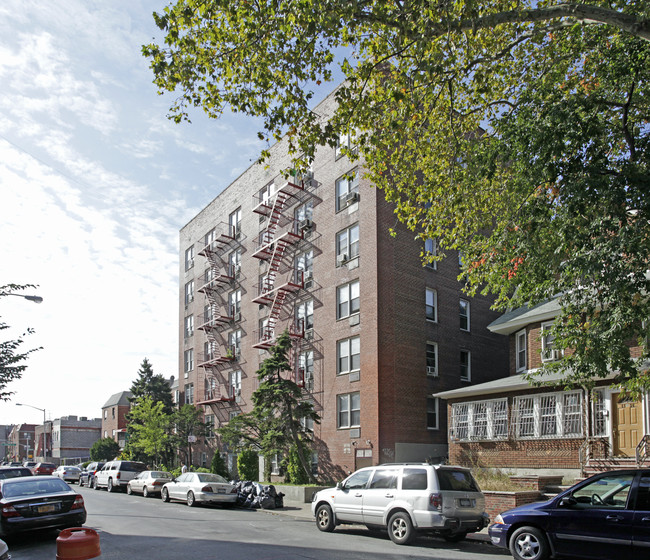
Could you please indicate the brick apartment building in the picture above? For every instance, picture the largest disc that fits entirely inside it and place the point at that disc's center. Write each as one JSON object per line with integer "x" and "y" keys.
{"x": 21, "y": 442}
{"x": 113, "y": 422}
{"x": 72, "y": 437}
{"x": 375, "y": 332}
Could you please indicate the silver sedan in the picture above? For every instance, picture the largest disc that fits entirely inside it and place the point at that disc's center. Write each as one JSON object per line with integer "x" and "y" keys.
{"x": 68, "y": 473}
{"x": 196, "y": 488}
{"x": 148, "y": 483}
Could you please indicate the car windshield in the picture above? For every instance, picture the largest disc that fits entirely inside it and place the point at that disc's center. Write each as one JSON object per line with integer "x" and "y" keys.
{"x": 451, "y": 479}
{"x": 133, "y": 467}
{"x": 208, "y": 477}
{"x": 27, "y": 488}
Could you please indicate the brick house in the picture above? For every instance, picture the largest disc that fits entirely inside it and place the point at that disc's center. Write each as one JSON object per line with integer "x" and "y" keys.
{"x": 375, "y": 332}
{"x": 21, "y": 442}
{"x": 507, "y": 423}
{"x": 72, "y": 437}
{"x": 114, "y": 417}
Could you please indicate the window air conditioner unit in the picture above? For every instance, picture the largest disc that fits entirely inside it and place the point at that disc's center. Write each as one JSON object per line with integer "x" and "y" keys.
{"x": 341, "y": 259}
{"x": 305, "y": 224}
{"x": 309, "y": 334}
{"x": 351, "y": 198}
{"x": 308, "y": 280}
{"x": 432, "y": 371}
{"x": 237, "y": 316}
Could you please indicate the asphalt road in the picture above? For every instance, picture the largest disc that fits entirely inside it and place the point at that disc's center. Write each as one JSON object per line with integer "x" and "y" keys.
{"x": 132, "y": 527}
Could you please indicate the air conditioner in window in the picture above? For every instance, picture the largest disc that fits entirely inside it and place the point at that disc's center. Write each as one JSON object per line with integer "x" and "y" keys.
{"x": 351, "y": 198}
{"x": 237, "y": 316}
{"x": 305, "y": 225}
{"x": 308, "y": 280}
{"x": 341, "y": 259}
{"x": 309, "y": 334}
{"x": 432, "y": 371}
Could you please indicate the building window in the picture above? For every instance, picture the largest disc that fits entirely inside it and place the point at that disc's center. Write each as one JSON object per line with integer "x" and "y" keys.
{"x": 482, "y": 420}
{"x": 234, "y": 343}
{"x": 189, "y": 292}
{"x": 465, "y": 365}
{"x": 549, "y": 415}
{"x": 349, "y": 410}
{"x": 209, "y": 426}
{"x": 304, "y": 212}
{"x": 432, "y": 413}
{"x": 347, "y": 299}
{"x": 189, "y": 393}
{"x": 464, "y": 315}
{"x": 234, "y": 223}
{"x": 431, "y": 305}
{"x": 189, "y": 326}
{"x": 521, "y": 350}
{"x": 549, "y": 352}
{"x": 208, "y": 351}
{"x": 305, "y": 314}
{"x": 306, "y": 369}
{"x": 431, "y": 250}
{"x": 189, "y": 361}
{"x": 599, "y": 413}
{"x": 305, "y": 265}
{"x": 348, "y": 353}
{"x": 432, "y": 359}
{"x": 234, "y": 384}
{"x": 347, "y": 244}
{"x": 113, "y": 410}
{"x": 347, "y": 190}
{"x": 210, "y": 237}
{"x": 234, "y": 263}
{"x": 345, "y": 141}
{"x": 189, "y": 258}
{"x": 234, "y": 304}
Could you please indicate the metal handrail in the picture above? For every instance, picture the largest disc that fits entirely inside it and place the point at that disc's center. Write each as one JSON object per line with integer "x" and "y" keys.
{"x": 642, "y": 450}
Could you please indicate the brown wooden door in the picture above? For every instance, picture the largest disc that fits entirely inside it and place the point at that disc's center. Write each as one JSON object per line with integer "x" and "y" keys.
{"x": 627, "y": 425}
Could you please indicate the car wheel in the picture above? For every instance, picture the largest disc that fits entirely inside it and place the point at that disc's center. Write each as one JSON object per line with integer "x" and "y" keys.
{"x": 191, "y": 501}
{"x": 81, "y": 482}
{"x": 95, "y": 485}
{"x": 325, "y": 518}
{"x": 129, "y": 490}
{"x": 529, "y": 543}
{"x": 456, "y": 537}
{"x": 400, "y": 528}
{"x": 109, "y": 485}
{"x": 145, "y": 492}
{"x": 164, "y": 495}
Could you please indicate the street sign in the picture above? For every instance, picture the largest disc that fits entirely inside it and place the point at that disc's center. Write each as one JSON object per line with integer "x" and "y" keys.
{"x": 8, "y": 443}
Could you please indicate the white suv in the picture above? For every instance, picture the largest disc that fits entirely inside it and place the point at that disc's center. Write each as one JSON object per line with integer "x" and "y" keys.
{"x": 405, "y": 498}
{"x": 116, "y": 474}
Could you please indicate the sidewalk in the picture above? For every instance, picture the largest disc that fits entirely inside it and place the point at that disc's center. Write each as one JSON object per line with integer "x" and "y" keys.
{"x": 303, "y": 511}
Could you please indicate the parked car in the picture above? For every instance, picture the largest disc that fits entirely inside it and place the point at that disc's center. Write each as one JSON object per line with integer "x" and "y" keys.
{"x": 15, "y": 464}
{"x": 42, "y": 502}
{"x": 44, "y": 468}
{"x": 606, "y": 516}
{"x": 13, "y": 472}
{"x": 115, "y": 475}
{"x": 404, "y": 499}
{"x": 29, "y": 464}
{"x": 200, "y": 488}
{"x": 67, "y": 473}
{"x": 148, "y": 483}
{"x": 87, "y": 475}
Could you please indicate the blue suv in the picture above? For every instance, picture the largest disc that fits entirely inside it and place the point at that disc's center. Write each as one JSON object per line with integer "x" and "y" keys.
{"x": 606, "y": 516}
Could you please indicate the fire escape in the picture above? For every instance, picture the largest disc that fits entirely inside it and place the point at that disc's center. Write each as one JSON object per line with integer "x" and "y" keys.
{"x": 218, "y": 315}
{"x": 275, "y": 246}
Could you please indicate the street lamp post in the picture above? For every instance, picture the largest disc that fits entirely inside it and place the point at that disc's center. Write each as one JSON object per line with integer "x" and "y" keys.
{"x": 35, "y": 299}
{"x": 44, "y": 421}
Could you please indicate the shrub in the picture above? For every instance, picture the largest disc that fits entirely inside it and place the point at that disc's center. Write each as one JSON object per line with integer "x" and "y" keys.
{"x": 248, "y": 466}
{"x": 294, "y": 473}
{"x": 218, "y": 465}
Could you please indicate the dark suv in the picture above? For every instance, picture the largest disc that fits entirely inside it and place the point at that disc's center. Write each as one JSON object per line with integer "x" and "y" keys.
{"x": 44, "y": 468}
{"x": 88, "y": 474}
{"x": 13, "y": 472}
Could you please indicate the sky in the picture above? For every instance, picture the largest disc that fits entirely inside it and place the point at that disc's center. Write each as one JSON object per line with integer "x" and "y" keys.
{"x": 95, "y": 184}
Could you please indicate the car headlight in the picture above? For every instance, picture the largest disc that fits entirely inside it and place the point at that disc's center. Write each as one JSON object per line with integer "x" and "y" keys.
{"x": 498, "y": 519}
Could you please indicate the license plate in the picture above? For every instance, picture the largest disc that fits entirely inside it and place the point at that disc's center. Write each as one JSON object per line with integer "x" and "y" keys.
{"x": 221, "y": 490}
{"x": 465, "y": 502}
{"x": 46, "y": 509}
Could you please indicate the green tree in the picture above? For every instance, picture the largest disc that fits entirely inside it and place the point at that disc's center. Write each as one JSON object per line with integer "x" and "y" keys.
{"x": 248, "y": 465}
{"x": 497, "y": 128}
{"x": 218, "y": 465}
{"x": 105, "y": 449}
{"x": 151, "y": 425}
{"x": 152, "y": 385}
{"x": 12, "y": 359}
{"x": 188, "y": 424}
{"x": 276, "y": 423}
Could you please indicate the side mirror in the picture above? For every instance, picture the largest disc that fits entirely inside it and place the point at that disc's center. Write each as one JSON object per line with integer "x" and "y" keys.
{"x": 568, "y": 501}
{"x": 339, "y": 486}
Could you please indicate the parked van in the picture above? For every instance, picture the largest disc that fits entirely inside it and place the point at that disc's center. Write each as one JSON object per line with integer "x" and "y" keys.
{"x": 115, "y": 475}
{"x": 405, "y": 498}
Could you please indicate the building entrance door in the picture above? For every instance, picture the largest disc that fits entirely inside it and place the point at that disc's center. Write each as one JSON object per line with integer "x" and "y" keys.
{"x": 627, "y": 425}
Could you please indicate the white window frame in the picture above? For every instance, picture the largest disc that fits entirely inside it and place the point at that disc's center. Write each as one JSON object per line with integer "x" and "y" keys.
{"x": 432, "y": 368}
{"x": 479, "y": 420}
{"x": 467, "y": 376}
{"x": 305, "y": 312}
{"x": 306, "y": 364}
{"x": 189, "y": 326}
{"x": 188, "y": 357}
{"x": 431, "y": 302}
{"x": 189, "y": 292}
{"x": 348, "y": 410}
{"x": 344, "y": 245}
{"x": 234, "y": 262}
{"x": 234, "y": 223}
{"x": 464, "y": 315}
{"x": 346, "y": 349}
{"x": 346, "y": 295}
{"x": 549, "y": 351}
{"x": 345, "y": 185}
{"x": 234, "y": 303}
{"x": 549, "y": 415}
{"x": 189, "y": 393}
{"x": 600, "y": 425}
{"x": 189, "y": 258}
{"x": 234, "y": 384}
{"x": 234, "y": 342}
{"x": 521, "y": 351}
{"x": 345, "y": 140}
{"x": 304, "y": 211}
